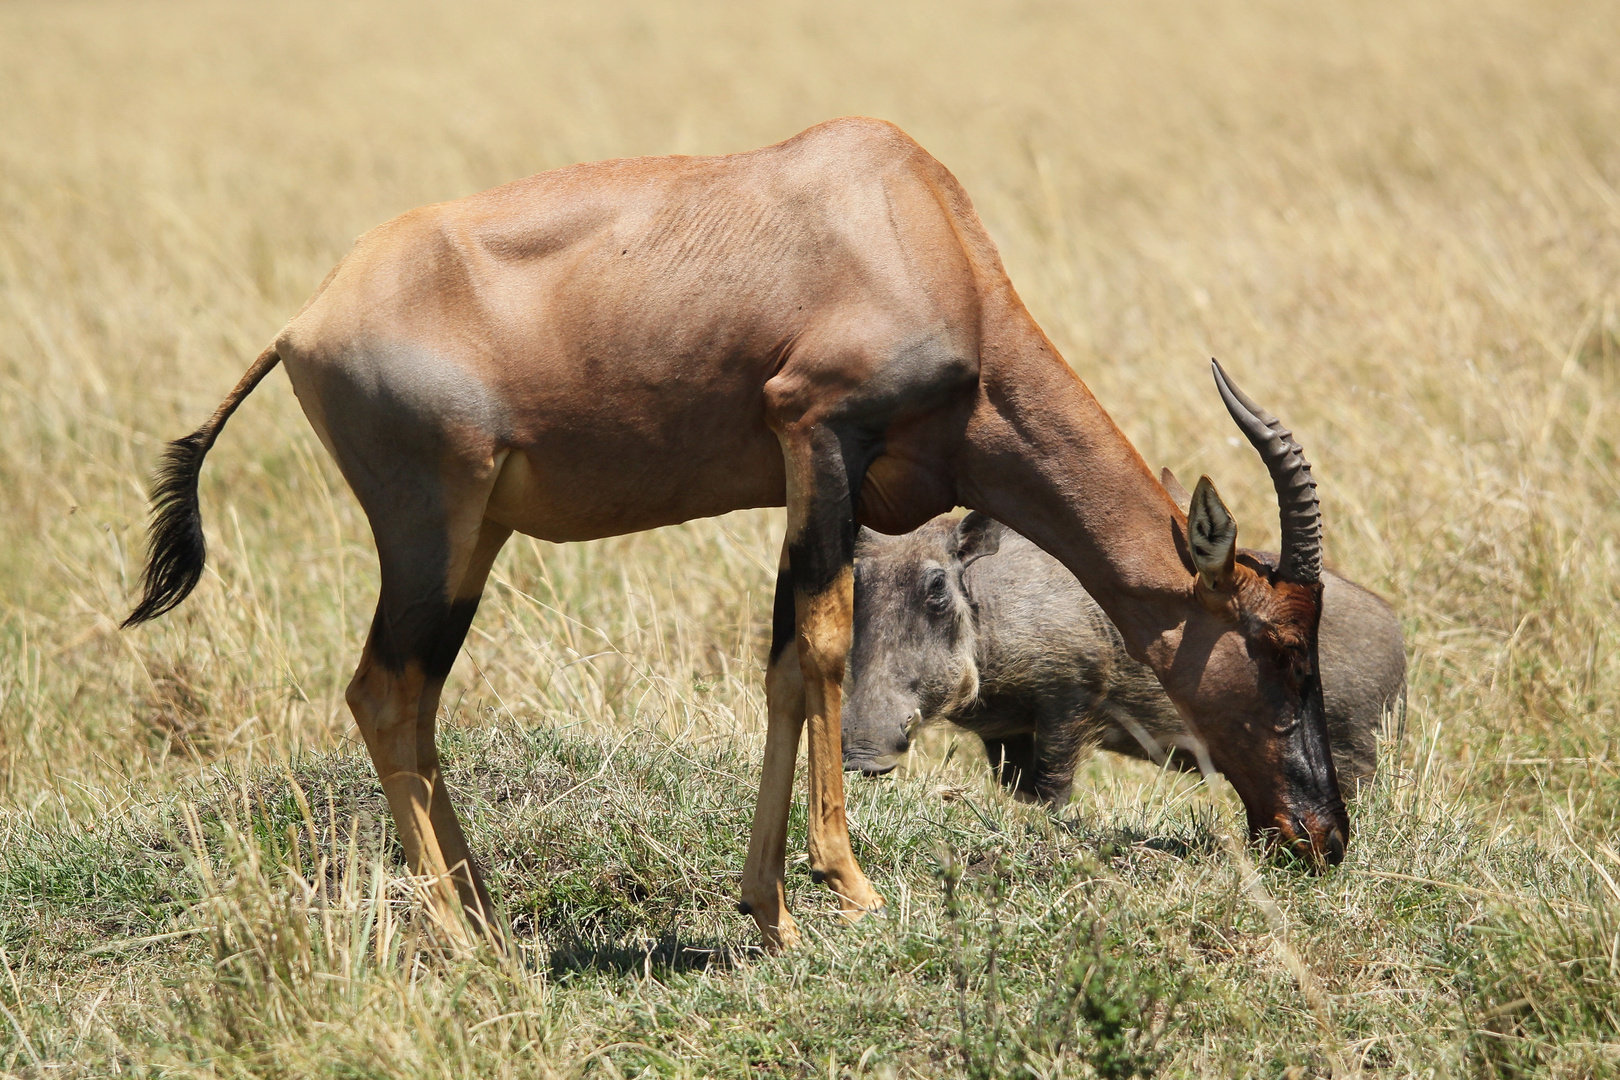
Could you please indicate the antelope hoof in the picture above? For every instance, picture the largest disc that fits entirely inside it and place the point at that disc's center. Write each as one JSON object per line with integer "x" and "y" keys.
{"x": 783, "y": 935}
{"x": 777, "y": 930}
{"x": 856, "y": 912}
{"x": 858, "y": 899}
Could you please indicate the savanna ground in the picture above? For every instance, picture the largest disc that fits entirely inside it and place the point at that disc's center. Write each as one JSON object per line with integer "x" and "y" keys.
{"x": 1397, "y": 223}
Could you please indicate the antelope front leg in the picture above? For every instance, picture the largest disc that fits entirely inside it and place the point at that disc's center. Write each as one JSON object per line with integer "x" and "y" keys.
{"x": 764, "y": 876}
{"x": 825, "y": 620}
{"x": 821, "y": 553}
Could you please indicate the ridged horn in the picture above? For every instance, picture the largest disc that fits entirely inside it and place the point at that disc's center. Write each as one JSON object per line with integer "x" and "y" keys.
{"x": 1298, "y": 508}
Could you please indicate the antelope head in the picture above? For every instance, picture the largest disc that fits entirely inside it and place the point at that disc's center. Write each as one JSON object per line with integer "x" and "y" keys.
{"x": 1254, "y": 697}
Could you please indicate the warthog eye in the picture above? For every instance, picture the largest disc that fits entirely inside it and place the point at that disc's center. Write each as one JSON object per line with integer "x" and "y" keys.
{"x": 937, "y": 590}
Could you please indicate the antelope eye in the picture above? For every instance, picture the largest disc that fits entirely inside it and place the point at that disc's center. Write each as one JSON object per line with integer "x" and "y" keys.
{"x": 936, "y": 591}
{"x": 1296, "y": 666}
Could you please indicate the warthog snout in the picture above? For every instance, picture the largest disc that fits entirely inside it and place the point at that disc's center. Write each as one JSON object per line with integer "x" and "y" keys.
{"x": 895, "y": 743}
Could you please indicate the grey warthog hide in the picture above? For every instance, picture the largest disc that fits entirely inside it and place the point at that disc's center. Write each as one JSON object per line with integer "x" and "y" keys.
{"x": 964, "y": 620}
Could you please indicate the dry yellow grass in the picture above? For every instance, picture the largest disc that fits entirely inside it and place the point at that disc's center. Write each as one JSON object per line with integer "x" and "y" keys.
{"x": 1398, "y": 224}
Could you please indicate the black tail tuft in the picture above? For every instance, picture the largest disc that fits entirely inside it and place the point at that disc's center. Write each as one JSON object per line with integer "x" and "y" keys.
{"x": 175, "y": 548}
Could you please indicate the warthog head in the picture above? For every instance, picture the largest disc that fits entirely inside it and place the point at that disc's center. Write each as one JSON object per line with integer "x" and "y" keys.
{"x": 913, "y": 652}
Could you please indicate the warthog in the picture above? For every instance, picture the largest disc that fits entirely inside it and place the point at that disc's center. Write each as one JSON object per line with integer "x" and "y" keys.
{"x": 1013, "y": 649}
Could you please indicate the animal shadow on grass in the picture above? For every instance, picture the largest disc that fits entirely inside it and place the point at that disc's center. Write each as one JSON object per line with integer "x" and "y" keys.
{"x": 673, "y": 953}
{"x": 1191, "y": 840}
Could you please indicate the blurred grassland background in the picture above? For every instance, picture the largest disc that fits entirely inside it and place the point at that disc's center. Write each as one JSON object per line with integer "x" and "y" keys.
{"x": 1398, "y": 224}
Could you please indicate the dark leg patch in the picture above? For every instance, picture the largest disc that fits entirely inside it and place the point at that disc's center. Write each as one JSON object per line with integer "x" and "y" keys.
{"x": 441, "y": 648}
{"x": 429, "y": 632}
{"x": 826, "y": 546}
{"x": 784, "y": 622}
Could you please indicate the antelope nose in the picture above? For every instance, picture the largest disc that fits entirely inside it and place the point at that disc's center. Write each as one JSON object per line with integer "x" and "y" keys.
{"x": 1316, "y": 840}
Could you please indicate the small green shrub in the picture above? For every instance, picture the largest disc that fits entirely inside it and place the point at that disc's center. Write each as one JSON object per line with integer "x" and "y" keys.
{"x": 1101, "y": 1004}
{"x": 1543, "y": 986}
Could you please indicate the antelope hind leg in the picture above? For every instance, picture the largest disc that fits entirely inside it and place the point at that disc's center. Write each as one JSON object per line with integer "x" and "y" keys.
{"x": 469, "y": 882}
{"x": 430, "y": 587}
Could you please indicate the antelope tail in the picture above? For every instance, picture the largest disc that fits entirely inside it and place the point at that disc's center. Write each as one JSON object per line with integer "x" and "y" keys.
{"x": 175, "y": 549}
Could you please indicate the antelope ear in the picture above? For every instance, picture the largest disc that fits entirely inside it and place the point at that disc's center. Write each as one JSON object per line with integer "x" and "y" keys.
{"x": 1173, "y": 488}
{"x": 1212, "y": 536}
{"x": 977, "y": 535}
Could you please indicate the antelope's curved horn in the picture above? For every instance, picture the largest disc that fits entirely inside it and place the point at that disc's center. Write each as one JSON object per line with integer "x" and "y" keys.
{"x": 1298, "y": 507}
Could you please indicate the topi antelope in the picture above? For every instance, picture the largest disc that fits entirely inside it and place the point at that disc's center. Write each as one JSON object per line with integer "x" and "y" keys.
{"x": 822, "y": 324}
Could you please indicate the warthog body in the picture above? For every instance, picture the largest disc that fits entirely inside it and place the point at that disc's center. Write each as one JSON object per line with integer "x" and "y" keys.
{"x": 1011, "y": 647}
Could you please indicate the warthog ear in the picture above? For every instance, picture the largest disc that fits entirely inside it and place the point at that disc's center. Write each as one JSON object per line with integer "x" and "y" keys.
{"x": 1173, "y": 488}
{"x": 977, "y": 535}
{"x": 864, "y": 539}
{"x": 1213, "y": 537}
